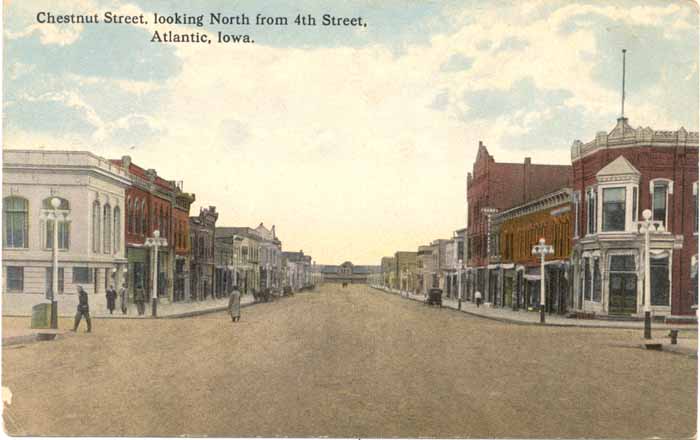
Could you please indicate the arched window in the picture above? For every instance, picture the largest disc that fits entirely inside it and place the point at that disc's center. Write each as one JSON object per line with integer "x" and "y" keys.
{"x": 107, "y": 229}
{"x": 63, "y": 224}
{"x": 129, "y": 222}
{"x": 117, "y": 229}
{"x": 144, "y": 219}
{"x": 15, "y": 217}
{"x": 96, "y": 231}
{"x": 137, "y": 217}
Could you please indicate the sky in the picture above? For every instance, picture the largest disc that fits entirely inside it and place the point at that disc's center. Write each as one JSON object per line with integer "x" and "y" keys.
{"x": 354, "y": 141}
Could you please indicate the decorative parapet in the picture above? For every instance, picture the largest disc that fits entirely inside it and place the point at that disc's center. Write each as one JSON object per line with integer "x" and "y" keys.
{"x": 63, "y": 160}
{"x": 624, "y": 136}
{"x": 547, "y": 201}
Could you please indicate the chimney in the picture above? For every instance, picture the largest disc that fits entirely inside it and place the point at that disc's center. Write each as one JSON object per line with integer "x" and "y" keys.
{"x": 273, "y": 232}
{"x": 528, "y": 161}
{"x": 126, "y": 162}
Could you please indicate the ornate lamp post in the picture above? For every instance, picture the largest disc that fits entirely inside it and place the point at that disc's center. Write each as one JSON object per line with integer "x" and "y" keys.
{"x": 542, "y": 250}
{"x": 645, "y": 227}
{"x": 154, "y": 243}
{"x": 55, "y": 215}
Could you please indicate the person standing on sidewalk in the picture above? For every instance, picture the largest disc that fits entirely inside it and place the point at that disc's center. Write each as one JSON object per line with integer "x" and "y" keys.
{"x": 234, "y": 305}
{"x": 83, "y": 310}
{"x": 139, "y": 299}
{"x": 111, "y": 295}
{"x": 123, "y": 298}
{"x": 477, "y": 296}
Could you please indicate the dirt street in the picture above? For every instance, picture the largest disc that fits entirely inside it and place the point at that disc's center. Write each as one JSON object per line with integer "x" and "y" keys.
{"x": 349, "y": 362}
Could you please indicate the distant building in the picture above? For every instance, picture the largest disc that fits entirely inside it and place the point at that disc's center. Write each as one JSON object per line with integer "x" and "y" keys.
{"x": 202, "y": 244}
{"x": 271, "y": 276}
{"x": 348, "y": 273}
{"x": 299, "y": 270}
{"x": 246, "y": 256}
{"x": 387, "y": 270}
{"x": 406, "y": 273}
{"x": 616, "y": 177}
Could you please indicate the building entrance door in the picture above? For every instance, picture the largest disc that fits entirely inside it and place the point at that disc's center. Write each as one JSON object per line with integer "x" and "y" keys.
{"x": 623, "y": 293}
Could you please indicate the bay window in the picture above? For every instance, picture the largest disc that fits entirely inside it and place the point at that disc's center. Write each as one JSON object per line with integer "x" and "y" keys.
{"x": 592, "y": 211}
{"x": 614, "y": 209}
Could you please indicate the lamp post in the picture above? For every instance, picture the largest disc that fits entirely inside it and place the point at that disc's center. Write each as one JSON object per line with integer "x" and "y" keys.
{"x": 154, "y": 243}
{"x": 542, "y": 250}
{"x": 645, "y": 227}
{"x": 54, "y": 215}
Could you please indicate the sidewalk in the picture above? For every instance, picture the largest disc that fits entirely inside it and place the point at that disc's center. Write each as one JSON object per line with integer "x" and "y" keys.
{"x": 524, "y": 317}
{"x": 67, "y": 307}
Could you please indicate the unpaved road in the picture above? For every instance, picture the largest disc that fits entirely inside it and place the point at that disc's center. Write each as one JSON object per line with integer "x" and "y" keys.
{"x": 347, "y": 362}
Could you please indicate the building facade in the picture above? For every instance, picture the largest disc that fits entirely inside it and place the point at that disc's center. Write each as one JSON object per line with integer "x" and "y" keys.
{"x": 406, "y": 274}
{"x": 246, "y": 256}
{"x": 492, "y": 187}
{"x": 270, "y": 258}
{"x": 617, "y": 176}
{"x": 202, "y": 245}
{"x": 514, "y": 273}
{"x": 91, "y": 191}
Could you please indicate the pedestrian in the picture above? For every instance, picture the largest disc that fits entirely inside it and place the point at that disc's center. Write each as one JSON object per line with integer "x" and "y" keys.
{"x": 111, "y": 295}
{"x": 234, "y": 305}
{"x": 123, "y": 298}
{"x": 477, "y": 296}
{"x": 139, "y": 299}
{"x": 83, "y": 310}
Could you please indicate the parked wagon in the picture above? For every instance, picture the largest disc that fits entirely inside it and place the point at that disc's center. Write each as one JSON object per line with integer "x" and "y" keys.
{"x": 434, "y": 297}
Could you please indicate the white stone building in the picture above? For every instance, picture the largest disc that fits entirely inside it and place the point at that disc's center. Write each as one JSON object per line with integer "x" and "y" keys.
{"x": 91, "y": 239}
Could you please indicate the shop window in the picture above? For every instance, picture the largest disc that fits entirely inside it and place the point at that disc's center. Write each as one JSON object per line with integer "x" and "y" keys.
{"x": 16, "y": 220}
{"x": 15, "y": 279}
{"x": 613, "y": 209}
{"x": 660, "y": 284}
{"x": 597, "y": 280}
{"x": 587, "y": 288}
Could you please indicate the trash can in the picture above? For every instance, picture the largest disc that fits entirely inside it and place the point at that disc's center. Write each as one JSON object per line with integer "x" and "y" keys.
{"x": 41, "y": 316}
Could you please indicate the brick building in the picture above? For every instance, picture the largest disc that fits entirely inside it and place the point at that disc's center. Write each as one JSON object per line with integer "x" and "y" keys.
{"x": 617, "y": 176}
{"x": 515, "y": 274}
{"x": 202, "y": 244}
{"x": 492, "y": 187}
{"x": 150, "y": 206}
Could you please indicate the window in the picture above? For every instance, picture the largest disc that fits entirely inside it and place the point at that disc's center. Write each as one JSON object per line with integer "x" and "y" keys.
{"x": 137, "y": 216}
{"x": 15, "y": 218}
{"x": 96, "y": 235}
{"x": 597, "y": 281}
{"x": 49, "y": 279}
{"x": 613, "y": 209}
{"x": 63, "y": 225}
{"x": 82, "y": 275}
{"x": 660, "y": 284}
{"x": 117, "y": 229}
{"x": 634, "y": 204}
{"x": 592, "y": 211}
{"x": 129, "y": 219}
{"x": 15, "y": 279}
{"x": 144, "y": 217}
{"x": 622, "y": 263}
{"x": 577, "y": 206}
{"x": 695, "y": 206}
{"x": 586, "y": 278}
{"x": 659, "y": 200}
{"x": 694, "y": 280}
{"x": 107, "y": 229}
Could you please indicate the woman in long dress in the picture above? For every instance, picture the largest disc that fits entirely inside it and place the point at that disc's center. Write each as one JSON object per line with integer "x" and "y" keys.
{"x": 234, "y": 305}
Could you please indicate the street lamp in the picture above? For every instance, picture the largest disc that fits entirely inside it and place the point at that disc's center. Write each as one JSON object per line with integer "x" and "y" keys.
{"x": 154, "y": 243}
{"x": 460, "y": 269}
{"x": 645, "y": 227}
{"x": 54, "y": 215}
{"x": 542, "y": 249}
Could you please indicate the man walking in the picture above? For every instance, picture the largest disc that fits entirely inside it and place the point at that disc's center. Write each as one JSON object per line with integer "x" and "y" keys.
{"x": 234, "y": 305}
{"x": 477, "y": 296}
{"x": 83, "y": 310}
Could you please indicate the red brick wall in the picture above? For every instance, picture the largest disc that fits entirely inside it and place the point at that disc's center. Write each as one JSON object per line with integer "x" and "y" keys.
{"x": 677, "y": 164}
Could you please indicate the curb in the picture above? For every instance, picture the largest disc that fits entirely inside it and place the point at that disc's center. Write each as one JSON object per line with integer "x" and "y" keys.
{"x": 517, "y": 322}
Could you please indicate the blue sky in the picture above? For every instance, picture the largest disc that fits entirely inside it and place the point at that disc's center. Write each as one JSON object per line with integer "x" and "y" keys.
{"x": 347, "y": 124}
